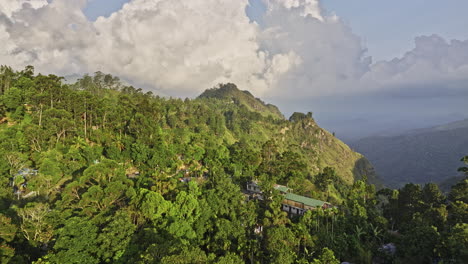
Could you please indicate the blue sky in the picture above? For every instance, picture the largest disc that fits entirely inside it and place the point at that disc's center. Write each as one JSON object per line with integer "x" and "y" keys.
{"x": 388, "y": 28}
{"x": 98, "y": 8}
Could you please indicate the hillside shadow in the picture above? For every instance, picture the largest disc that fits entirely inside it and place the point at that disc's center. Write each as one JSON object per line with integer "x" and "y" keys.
{"x": 363, "y": 167}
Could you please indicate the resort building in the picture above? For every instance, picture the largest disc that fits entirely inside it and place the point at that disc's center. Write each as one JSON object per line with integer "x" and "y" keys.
{"x": 292, "y": 203}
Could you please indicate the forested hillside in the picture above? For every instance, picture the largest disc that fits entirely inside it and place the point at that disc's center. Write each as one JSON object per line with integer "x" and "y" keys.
{"x": 418, "y": 156}
{"x": 100, "y": 172}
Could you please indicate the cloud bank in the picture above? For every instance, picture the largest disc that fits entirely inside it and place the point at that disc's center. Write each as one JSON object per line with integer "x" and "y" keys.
{"x": 183, "y": 47}
{"x": 433, "y": 61}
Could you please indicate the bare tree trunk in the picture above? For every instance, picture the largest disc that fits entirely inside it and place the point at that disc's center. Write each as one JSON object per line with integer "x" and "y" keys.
{"x": 85, "y": 128}
{"x": 40, "y": 116}
{"x": 104, "y": 121}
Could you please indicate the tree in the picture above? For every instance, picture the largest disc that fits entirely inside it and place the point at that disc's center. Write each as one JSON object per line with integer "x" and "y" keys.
{"x": 464, "y": 169}
{"x": 7, "y": 76}
{"x": 455, "y": 244}
{"x": 281, "y": 244}
{"x": 224, "y": 215}
{"x": 244, "y": 160}
{"x": 58, "y": 122}
{"x": 34, "y": 224}
{"x": 409, "y": 203}
{"x": 28, "y": 72}
{"x": 229, "y": 258}
{"x": 12, "y": 99}
{"x": 458, "y": 213}
{"x": 291, "y": 165}
{"x": 7, "y": 234}
{"x": 432, "y": 196}
{"x": 183, "y": 214}
{"x": 115, "y": 237}
{"x": 418, "y": 245}
{"x": 274, "y": 216}
{"x": 327, "y": 257}
{"x": 459, "y": 191}
{"x": 76, "y": 242}
{"x": 151, "y": 205}
{"x": 269, "y": 154}
{"x": 192, "y": 255}
{"x": 325, "y": 179}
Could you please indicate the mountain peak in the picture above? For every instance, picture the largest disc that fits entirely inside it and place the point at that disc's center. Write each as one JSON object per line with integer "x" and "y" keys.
{"x": 230, "y": 91}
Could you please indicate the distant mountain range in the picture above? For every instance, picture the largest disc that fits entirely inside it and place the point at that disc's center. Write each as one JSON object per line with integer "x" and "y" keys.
{"x": 419, "y": 156}
{"x": 446, "y": 127}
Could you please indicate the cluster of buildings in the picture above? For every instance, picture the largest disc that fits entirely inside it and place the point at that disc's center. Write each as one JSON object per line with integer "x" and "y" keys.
{"x": 292, "y": 203}
{"x": 19, "y": 181}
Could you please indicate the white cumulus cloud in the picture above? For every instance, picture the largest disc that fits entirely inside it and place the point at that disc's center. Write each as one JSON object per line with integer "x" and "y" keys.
{"x": 306, "y": 7}
{"x": 433, "y": 60}
{"x": 8, "y": 7}
{"x": 330, "y": 56}
{"x": 182, "y": 47}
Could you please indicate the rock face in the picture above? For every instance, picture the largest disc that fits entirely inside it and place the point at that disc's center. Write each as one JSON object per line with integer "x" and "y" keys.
{"x": 418, "y": 156}
{"x": 299, "y": 134}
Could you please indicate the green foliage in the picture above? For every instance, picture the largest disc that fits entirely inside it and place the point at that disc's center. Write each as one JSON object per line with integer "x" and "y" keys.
{"x": 12, "y": 98}
{"x": 114, "y": 238}
{"x": 419, "y": 244}
{"x": 456, "y": 244}
{"x": 459, "y": 191}
{"x": 7, "y": 234}
{"x": 76, "y": 243}
{"x": 100, "y": 172}
{"x": 327, "y": 257}
{"x": 280, "y": 245}
{"x": 230, "y": 93}
{"x": 464, "y": 169}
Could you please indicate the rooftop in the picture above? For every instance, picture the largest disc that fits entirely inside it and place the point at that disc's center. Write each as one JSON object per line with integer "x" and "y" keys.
{"x": 282, "y": 188}
{"x": 305, "y": 200}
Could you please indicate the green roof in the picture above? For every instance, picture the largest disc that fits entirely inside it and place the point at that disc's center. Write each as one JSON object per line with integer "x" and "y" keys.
{"x": 282, "y": 188}
{"x": 305, "y": 200}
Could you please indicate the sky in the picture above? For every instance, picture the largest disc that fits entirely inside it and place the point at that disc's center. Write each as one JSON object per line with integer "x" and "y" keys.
{"x": 388, "y": 28}
{"x": 370, "y": 19}
{"x": 362, "y": 67}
